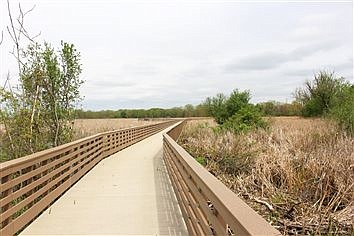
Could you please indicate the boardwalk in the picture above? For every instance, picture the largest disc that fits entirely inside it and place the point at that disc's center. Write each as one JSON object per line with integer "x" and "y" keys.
{"x": 127, "y": 193}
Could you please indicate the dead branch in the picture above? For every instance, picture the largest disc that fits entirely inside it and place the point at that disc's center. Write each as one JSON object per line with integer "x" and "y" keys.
{"x": 268, "y": 205}
{"x": 16, "y": 32}
{"x": 2, "y": 37}
{"x": 13, "y": 35}
{"x": 20, "y": 20}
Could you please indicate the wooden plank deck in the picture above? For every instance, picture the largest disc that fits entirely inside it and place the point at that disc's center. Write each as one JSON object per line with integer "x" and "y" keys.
{"x": 128, "y": 193}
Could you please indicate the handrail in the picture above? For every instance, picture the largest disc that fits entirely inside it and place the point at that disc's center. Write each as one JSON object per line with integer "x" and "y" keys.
{"x": 28, "y": 185}
{"x": 208, "y": 206}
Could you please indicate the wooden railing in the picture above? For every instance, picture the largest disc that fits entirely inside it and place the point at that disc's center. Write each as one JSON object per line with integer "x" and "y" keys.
{"x": 31, "y": 183}
{"x": 208, "y": 206}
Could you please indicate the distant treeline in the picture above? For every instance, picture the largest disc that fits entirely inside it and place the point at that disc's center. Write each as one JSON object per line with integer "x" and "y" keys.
{"x": 274, "y": 108}
{"x": 270, "y": 108}
{"x": 186, "y": 111}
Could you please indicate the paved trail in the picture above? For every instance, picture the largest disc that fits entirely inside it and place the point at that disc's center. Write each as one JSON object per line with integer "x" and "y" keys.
{"x": 128, "y": 193}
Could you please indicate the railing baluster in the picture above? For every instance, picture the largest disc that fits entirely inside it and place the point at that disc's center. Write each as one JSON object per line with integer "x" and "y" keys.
{"x": 4, "y": 194}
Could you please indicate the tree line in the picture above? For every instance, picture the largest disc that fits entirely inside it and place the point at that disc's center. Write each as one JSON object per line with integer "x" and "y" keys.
{"x": 186, "y": 111}
{"x": 269, "y": 108}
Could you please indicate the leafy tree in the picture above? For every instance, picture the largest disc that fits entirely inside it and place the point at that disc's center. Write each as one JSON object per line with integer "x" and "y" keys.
{"x": 39, "y": 113}
{"x": 222, "y": 107}
{"x": 236, "y": 101}
{"x": 123, "y": 114}
{"x": 217, "y": 107}
{"x": 189, "y": 110}
{"x": 328, "y": 96}
{"x": 316, "y": 96}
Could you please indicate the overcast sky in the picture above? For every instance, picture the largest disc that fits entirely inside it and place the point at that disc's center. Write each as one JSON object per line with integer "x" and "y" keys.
{"x": 142, "y": 54}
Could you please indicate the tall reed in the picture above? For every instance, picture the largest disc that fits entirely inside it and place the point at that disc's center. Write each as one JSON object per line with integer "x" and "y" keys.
{"x": 299, "y": 174}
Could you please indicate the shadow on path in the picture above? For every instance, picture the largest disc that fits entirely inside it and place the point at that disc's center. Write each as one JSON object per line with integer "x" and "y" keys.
{"x": 170, "y": 218}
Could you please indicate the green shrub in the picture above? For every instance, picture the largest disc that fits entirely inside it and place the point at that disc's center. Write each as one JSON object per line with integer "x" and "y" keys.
{"x": 222, "y": 107}
{"x": 234, "y": 112}
{"x": 216, "y": 107}
{"x": 246, "y": 119}
{"x": 237, "y": 101}
{"x": 343, "y": 108}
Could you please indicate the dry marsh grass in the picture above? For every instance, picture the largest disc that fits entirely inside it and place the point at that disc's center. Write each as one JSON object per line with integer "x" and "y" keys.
{"x": 87, "y": 127}
{"x": 299, "y": 174}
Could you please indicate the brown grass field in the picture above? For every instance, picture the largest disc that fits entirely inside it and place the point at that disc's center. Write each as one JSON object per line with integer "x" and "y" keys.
{"x": 298, "y": 174}
{"x": 87, "y": 127}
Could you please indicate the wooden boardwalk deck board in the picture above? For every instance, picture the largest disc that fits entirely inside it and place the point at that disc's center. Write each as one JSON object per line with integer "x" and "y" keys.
{"x": 128, "y": 193}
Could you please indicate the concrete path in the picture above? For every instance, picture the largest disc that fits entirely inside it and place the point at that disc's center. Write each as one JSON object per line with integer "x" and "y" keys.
{"x": 128, "y": 193}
